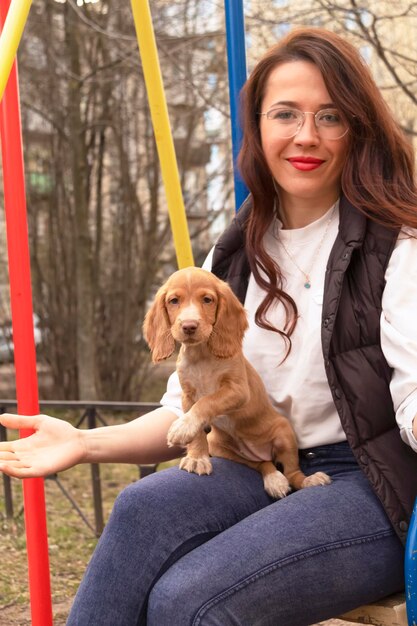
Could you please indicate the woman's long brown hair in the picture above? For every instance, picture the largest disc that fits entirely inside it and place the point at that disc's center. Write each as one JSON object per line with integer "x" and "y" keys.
{"x": 378, "y": 176}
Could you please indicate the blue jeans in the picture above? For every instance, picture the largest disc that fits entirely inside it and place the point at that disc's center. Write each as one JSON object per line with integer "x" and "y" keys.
{"x": 187, "y": 550}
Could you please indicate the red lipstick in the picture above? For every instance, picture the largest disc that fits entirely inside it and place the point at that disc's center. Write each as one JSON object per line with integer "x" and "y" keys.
{"x": 305, "y": 164}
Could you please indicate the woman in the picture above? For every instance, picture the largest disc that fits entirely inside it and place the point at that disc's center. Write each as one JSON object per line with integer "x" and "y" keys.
{"x": 331, "y": 181}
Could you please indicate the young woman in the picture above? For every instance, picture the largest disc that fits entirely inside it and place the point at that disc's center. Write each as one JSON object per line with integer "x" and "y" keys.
{"x": 321, "y": 255}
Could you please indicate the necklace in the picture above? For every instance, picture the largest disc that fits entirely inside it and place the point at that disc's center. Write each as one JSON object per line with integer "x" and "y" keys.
{"x": 307, "y": 283}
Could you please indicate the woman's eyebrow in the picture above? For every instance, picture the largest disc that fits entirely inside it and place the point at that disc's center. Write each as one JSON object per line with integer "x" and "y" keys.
{"x": 296, "y": 105}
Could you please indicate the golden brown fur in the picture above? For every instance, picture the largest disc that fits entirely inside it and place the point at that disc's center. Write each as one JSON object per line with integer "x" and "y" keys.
{"x": 220, "y": 388}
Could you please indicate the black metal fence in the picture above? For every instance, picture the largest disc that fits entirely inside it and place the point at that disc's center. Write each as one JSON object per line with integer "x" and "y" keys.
{"x": 91, "y": 416}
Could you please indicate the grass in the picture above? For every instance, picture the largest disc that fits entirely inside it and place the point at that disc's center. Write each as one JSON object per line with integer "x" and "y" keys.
{"x": 71, "y": 541}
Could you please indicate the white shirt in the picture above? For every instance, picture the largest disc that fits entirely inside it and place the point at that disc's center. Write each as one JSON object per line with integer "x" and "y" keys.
{"x": 298, "y": 386}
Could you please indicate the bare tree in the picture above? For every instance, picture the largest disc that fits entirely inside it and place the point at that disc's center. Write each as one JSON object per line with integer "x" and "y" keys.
{"x": 99, "y": 228}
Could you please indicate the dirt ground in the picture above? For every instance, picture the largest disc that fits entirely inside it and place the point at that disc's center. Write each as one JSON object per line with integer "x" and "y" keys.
{"x": 20, "y": 616}
{"x": 11, "y": 616}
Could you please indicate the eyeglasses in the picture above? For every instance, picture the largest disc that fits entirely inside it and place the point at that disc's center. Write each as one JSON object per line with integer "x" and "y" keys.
{"x": 288, "y": 122}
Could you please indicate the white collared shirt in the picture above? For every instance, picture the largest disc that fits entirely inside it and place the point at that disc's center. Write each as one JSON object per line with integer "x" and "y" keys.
{"x": 298, "y": 386}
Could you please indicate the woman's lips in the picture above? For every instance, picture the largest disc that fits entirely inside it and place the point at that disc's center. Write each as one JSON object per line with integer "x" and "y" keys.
{"x": 305, "y": 164}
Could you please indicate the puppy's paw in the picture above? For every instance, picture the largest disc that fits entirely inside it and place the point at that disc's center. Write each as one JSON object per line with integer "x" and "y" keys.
{"x": 319, "y": 478}
{"x": 199, "y": 466}
{"x": 276, "y": 485}
{"x": 182, "y": 431}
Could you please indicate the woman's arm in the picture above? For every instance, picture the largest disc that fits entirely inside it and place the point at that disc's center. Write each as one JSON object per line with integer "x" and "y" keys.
{"x": 56, "y": 445}
{"x": 399, "y": 334}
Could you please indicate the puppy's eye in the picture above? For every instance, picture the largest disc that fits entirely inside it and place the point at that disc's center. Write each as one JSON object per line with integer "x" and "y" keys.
{"x": 207, "y": 299}
{"x": 173, "y": 301}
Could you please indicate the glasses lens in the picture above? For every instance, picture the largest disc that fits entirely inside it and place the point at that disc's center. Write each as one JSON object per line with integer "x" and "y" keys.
{"x": 330, "y": 124}
{"x": 287, "y": 121}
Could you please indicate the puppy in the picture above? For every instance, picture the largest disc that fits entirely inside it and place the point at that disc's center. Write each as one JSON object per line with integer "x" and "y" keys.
{"x": 221, "y": 391}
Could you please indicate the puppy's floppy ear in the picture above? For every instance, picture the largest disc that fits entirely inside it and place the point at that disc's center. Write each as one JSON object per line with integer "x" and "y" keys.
{"x": 226, "y": 338}
{"x": 157, "y": 329}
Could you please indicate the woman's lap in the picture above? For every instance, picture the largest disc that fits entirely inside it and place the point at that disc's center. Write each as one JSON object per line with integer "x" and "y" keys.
{"x": 154, "y": 522}
{"x": 216, "y": 551}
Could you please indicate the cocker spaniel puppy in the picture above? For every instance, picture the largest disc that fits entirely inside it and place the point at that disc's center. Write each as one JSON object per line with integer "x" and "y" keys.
{"x": 220, "y": 388}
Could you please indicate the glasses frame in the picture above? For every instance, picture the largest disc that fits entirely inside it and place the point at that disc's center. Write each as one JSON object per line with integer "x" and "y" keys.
{"x": 302, "y": 121}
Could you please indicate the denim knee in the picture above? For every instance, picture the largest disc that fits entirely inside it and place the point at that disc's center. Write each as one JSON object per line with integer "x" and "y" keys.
{"x": 155, "y": 522}
{"x": 139, "y": 502}
{"x": 129, "y": 506}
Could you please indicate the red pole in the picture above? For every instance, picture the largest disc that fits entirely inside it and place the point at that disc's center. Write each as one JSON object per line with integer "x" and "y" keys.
{"x": 23, "y": 336}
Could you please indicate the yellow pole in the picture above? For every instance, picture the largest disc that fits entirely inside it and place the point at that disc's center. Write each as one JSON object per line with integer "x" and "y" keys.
{"x": 162, "y": 130}
{"x": 10, "y": 38}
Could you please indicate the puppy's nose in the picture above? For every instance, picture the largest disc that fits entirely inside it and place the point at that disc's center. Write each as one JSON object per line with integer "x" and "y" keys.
{"x": 189, "y": 326}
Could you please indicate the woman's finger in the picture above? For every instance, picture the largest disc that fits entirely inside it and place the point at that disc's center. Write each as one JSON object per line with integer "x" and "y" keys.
{"x": 9, "y": 420}
{"x": 7, "y": 455}
{"x": 16, "y": 445}
{"x": 17, "y": 470}
{"x": 6, "y": 446}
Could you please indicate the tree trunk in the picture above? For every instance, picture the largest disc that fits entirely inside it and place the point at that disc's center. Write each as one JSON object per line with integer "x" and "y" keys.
{"x": 85, "y": 340}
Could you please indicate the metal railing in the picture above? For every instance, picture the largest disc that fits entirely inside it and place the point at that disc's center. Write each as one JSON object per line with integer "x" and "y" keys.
{"x": 90, "y": 415}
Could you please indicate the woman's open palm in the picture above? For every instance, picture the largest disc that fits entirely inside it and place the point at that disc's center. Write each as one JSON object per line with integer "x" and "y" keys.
{"x": 54, "y": 446}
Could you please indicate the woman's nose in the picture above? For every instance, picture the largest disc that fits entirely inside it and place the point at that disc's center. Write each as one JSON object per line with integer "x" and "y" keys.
{"x": 308, "y": 132}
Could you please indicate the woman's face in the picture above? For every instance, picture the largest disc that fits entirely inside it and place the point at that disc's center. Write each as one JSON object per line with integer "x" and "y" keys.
{"x": 306, "y": 167}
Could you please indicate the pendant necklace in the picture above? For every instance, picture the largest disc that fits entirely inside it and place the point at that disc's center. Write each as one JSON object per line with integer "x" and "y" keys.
{"x": 307, "y": 275}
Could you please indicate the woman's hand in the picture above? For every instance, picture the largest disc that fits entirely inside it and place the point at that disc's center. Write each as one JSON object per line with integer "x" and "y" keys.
{"x": 55, "y": 446}
{"x": 415, "y": 426}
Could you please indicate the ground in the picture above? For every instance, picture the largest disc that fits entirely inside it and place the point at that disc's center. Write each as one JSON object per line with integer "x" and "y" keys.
{"x": 22, "y": 617}
{"x": 71, "y": 541}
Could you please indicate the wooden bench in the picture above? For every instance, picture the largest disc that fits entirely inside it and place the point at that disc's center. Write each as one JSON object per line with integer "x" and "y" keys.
{"x": 389, "y": 611}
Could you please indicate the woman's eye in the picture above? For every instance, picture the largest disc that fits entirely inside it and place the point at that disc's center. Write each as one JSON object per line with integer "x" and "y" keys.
{"x": 282, "y": 115}
{"x": 329, "y": 118}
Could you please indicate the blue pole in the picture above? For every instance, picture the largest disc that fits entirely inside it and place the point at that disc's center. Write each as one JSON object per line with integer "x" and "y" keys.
{"x": 236, "y": 61}
{"x": 411, "y": 570}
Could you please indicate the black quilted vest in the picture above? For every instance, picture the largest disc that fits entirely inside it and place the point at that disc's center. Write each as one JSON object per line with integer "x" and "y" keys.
{"x": 357, "y": 371}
